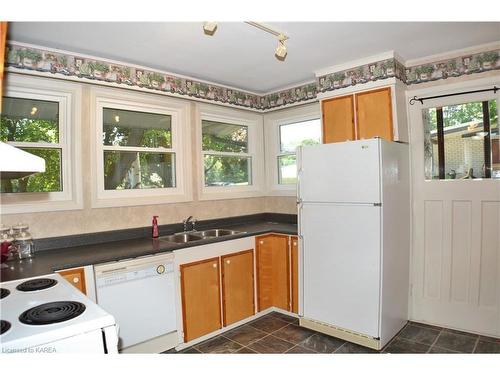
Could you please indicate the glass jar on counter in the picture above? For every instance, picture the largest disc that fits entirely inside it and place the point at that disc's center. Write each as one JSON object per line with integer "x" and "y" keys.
{"x": 17, "y": 229}
{"x": 4, "y": 230}
{"x": 24, "y": 245}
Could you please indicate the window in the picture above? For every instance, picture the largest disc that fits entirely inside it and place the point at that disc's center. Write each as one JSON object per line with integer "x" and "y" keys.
{"x": 140, "y": 150}
{"x": 225, "y": 154}
{"x": 230, "y": 153}
{"x": 290, "y": 137}
{"x": 137, "y": 150}
{"x": 462, "y": 141}
{"x": 33, "y": 126}
{"x": 41, "y": 116}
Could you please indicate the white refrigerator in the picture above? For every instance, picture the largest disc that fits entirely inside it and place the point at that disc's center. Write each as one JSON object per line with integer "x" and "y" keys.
{"x": 354, "y": 215}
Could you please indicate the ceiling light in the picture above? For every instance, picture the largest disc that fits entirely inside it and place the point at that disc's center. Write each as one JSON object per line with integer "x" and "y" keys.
{"x": 33, "y": 111}
{"x": 281, "y": 51}
{"x": 117, "y": 118}
{"x": 209, "y": 28}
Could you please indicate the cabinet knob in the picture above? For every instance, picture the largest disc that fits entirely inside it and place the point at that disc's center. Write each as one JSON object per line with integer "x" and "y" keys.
{"x": 76, "y": 280}
{"x": 294, "y": 243}
{"x": 214, "y": 265}
{"x": 228, "y": 261}
{"x": 261, "y": 242}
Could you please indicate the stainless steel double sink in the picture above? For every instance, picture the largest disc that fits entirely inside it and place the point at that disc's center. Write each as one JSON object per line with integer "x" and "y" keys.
{"x": 186, "y": 237}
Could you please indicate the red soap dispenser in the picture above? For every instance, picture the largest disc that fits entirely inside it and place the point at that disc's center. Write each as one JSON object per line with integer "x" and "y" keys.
{"x": 155, "y": 227}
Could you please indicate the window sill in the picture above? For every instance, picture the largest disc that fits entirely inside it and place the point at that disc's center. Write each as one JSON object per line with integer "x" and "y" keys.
{"x": 39, "y": 206}
{"x": 218, "y": 193}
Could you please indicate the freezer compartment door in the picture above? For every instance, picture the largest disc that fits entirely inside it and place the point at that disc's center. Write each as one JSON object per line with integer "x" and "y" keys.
{"x": 340, "y": 172}
{"x": 341, "y": 255}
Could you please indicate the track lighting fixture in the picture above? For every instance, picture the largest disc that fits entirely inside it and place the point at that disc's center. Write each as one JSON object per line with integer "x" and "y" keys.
{"x": 281, "y": 51}
{"x": 209, "y": 28}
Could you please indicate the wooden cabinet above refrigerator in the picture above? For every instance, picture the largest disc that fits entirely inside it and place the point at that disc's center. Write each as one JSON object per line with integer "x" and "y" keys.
{"x": 364, "y": 114}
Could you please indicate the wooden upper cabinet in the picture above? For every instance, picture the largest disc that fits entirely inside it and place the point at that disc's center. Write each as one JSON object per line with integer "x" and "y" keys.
{"x": 294, "y": 260}
{"x": 374, "y": 114}
{"x": 200, "y": 290}
{"x": 75, "y": 277}
{"x": 338, "y": 119}
{"x": 273, "y": 277}
{"x": 237, "y": 286}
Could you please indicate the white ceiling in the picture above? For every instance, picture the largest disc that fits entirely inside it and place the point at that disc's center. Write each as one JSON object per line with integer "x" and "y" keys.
{"x": 242, "y": 56}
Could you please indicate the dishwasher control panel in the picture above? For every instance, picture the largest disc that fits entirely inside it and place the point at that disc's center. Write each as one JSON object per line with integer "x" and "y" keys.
{"x": 122, "y": 275}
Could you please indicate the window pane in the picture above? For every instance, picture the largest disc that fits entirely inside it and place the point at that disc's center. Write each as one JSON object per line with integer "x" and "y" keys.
{"x": 138, "y": 170}
{"x": 29, "y": 120}
{"x": 49, "y": 181}
{"x": 465, "y": 141}
{"x": 218, "y": 136}
{"x": 227, "y": 170}
{"x": 287, "y": 169}
{"x": 298, "y": 134}
{"x": 136, "y": 129}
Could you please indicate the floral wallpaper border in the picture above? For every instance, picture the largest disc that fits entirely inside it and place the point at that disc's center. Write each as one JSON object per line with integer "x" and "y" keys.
{"x": 455, "y": 67}
{"x": 37, "y": 59}
{"x": 361, "y": 74}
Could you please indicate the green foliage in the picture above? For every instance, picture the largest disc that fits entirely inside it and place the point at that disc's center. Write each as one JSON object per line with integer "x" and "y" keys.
{"x": 157, "y": 77}
{"x": 49, "y": 181}
{"x": 33, "y": 55}
{"x": 460, "y": 114}
{"x": 99, "y": 67}
{"x": 138, "y": 170}
{"x": 34, "y": 130}
{"x": 226, "y": 170}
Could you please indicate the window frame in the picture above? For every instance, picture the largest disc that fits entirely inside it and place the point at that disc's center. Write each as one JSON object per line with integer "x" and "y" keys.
{"x": 445, "y": 102}
{"x": 272, "y": 125}
{"x": 118, "y": 99}
{"x": 68, "y": 96}
{"x": 255, "y": 151}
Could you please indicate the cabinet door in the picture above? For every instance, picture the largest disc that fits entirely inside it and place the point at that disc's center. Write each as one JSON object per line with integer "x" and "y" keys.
{"x": 338, "y": 119}
{"x": 273, "y": 277}
{"x": 200, "y": 289}
{"x": 374, "y": 114}
{"x": 294, "y": 259}
{"x": 75, "y": 277}
{"x": 237, "y": 286}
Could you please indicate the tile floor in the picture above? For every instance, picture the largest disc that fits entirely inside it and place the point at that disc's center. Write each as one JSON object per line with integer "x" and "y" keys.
{"x": 279, "y": 333}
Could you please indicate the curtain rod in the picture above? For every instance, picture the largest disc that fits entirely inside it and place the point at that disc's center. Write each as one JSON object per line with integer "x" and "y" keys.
{"x": 421, "y": 100}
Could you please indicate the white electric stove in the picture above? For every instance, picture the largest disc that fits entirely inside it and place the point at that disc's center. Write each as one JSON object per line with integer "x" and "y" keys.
{"x": 47, "y": 314}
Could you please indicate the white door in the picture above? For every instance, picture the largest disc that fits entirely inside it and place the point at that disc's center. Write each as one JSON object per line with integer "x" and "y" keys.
{"x": 341, "y": 265}
{"x": 456, "y": 237}
{"x": 340, "y": 172}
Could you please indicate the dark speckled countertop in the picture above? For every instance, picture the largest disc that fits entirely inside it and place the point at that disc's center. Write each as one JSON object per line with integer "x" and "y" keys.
{"x": 48, "y": 261}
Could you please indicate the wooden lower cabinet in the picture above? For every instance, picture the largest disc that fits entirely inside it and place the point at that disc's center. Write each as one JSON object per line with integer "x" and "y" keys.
{"x": 200, "y": 289}
{"x": 237, "y": 286}
{"x": 75, "y": 277}
{"x": 273, "y": 276}
{"x": 294, "y": 259}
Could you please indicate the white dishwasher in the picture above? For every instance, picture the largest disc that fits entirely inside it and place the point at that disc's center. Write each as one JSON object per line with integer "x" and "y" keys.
{"x": 140, "y": 294}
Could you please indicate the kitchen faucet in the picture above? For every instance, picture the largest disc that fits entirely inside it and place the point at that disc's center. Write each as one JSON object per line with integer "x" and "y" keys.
{"x": 191, "y": 220}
